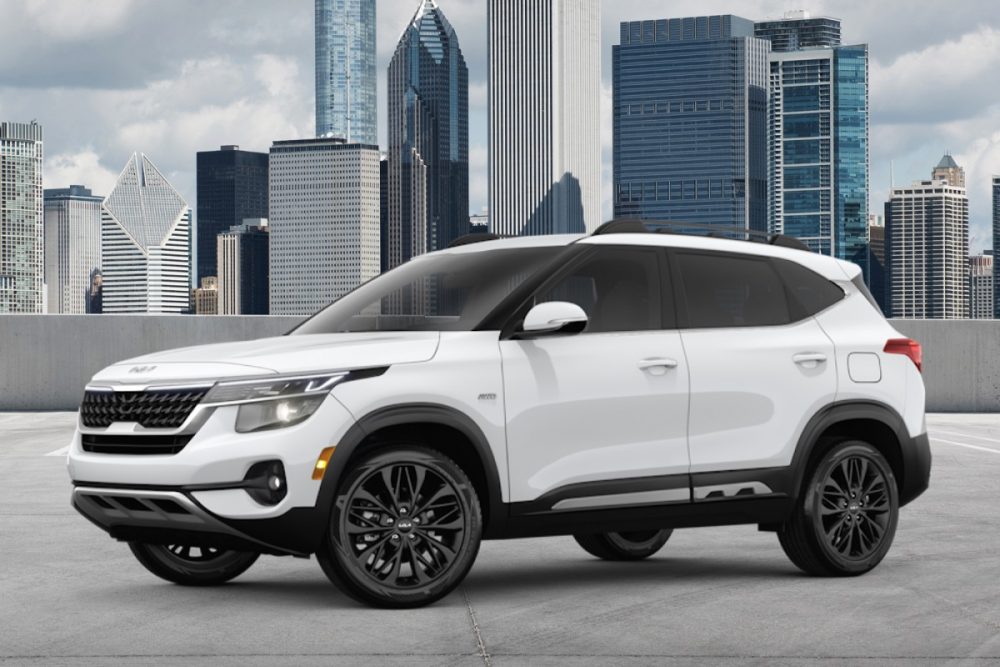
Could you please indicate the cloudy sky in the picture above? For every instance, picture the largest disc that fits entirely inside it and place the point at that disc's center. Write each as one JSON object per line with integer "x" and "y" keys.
{"x": 172, "y": 77}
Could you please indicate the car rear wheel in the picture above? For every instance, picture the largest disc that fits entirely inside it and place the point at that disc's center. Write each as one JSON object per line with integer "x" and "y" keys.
{"x": 192, "y": 565}
{"x": 628, "y": 545}
{"x": 404, "y": 530}
{"x": 847, "y": 514}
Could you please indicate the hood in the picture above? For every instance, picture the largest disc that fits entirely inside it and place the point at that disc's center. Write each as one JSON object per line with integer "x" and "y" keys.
{"x": 282, "y": 354}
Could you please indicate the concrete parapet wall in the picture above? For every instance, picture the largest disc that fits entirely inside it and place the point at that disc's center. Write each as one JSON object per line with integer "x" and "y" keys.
{"x": 45, "y": 360}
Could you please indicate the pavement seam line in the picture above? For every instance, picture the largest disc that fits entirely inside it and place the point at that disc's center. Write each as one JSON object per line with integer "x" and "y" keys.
{"x": 965, "y": 444}
{"x": 475, "y": 629}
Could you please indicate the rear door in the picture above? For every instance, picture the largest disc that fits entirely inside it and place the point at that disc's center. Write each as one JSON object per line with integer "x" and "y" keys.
{"x": 599, "y": 418}
{"x": 761, "y": 366}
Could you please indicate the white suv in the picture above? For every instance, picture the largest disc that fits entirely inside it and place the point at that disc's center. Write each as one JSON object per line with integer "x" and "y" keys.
{"x": 612, "y": 387}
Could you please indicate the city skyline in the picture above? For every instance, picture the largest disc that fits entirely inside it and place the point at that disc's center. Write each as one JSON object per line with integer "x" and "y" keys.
{"x": 262, "y": 89}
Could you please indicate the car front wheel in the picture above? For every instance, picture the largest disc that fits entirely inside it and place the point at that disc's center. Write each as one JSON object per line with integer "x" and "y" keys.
{"x": 845, "y": 520}
{"x": 404, "y": 530}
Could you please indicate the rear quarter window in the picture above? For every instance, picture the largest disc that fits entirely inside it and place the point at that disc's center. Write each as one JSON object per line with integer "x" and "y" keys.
{"x": 808, "y": 292}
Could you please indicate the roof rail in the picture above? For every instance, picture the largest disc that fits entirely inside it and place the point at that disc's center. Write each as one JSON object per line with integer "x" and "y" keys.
{"x": 639, "y": 226}
{"x": 477, "y": 237}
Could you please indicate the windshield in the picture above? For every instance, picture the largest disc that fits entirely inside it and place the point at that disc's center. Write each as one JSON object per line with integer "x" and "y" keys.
{"x": 437, "y": 292}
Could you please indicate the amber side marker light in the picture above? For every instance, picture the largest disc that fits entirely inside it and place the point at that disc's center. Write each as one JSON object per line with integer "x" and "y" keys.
{"x": 322, "y": 462}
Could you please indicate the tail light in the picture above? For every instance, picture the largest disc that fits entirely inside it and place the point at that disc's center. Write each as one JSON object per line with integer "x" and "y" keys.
{"x": 907, "y": 346}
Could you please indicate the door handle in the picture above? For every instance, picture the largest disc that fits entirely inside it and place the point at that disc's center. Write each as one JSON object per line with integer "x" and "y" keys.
{"x": 657, "y": 362}
{"x": 809, "y": 359}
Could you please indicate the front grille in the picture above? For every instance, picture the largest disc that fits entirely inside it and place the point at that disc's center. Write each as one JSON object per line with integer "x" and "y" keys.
{"x": 134, "y": 444}
{"x": 157, "y": 408}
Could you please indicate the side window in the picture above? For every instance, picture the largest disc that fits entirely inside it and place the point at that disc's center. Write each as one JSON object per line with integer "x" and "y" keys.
{"x": 618, "y": 288}
{"x": 808, "y": 292}
{"x": 731, "y": 291}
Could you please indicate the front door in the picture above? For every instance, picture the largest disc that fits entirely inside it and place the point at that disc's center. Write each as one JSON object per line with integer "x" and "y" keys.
{"x": 599, "y": 418}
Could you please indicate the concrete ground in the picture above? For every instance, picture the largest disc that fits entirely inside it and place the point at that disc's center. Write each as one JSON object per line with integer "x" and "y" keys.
{"x": 70, "y": 595}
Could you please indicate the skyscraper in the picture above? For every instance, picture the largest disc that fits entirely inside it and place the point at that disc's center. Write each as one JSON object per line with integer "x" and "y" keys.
{"x": 799, "y": 30}
{"x": 544, "y": 115}
{"x": 345, "y": 70}
{"x": 324, "y": 222}
{"x": 981, "y": 287}
{"x": 428, "y": 155}
{"x": 996, "y": 245}
{"x": 818, "y": 136}
{"x": 232, "y": 186}
{"x": 21, "y": 227}
{"x": 145, "y": 243}
{"x": 72, "y": 248}
{"x": 243, "y": 268}
{"x": 690, "y": 122}
{"x": 947, "y": 170}
{"x": 927, "y": 239}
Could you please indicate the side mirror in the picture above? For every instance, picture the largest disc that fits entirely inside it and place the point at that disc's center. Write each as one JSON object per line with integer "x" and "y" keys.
{"x": 554, "y": 317}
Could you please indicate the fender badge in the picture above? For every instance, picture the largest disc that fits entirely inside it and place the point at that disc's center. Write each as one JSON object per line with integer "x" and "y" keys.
{"x": 141, "y": 369}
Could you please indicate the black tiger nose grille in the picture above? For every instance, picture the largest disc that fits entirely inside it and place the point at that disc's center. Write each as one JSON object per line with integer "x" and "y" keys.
{"x": 158, "y": 408}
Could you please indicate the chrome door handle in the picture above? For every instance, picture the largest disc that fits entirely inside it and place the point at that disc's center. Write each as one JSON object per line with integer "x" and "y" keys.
{"x": 809, "y": 358}
{"x": 657, "y": 362}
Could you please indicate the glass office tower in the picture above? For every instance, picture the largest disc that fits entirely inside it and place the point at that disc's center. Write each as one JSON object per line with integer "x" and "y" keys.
{"x": 428, "y": 154}
{"x": 345, "y": 70}
{"x": 690, "y": 122}
{"x": 818, "y": 138}
{"x": 232, "y": 186}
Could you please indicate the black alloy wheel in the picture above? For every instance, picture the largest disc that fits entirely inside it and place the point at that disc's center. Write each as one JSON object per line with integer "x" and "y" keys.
{"x": 847, "y": 517}
{"x": 190, "y": 565}
{"x": 626, "y": 545}
{"x": 405, "y": 529}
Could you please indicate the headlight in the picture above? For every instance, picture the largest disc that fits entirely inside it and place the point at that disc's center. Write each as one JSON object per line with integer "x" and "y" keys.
{"x": 273, "y": 402}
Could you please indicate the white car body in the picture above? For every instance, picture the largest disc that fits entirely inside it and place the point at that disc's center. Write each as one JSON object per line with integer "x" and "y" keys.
{"x": 602, "y": 421}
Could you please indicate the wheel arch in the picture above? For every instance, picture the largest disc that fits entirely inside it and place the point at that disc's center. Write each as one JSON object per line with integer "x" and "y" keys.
{"x": 871, "y": 421}
{"x": 436, "y": 426}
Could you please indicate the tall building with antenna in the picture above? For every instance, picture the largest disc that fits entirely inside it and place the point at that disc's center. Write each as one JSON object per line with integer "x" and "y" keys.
{"x": 428, "y": 153}
{"x": 345, "y": 70}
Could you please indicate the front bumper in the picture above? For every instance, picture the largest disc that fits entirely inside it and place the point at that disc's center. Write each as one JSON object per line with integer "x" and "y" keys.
{"x": 173, "y": 516}
{"x": 190, "y": 495}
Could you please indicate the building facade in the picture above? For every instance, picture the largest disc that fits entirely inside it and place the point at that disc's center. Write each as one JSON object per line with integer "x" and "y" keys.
{"x": 947, "y": 170}
{"x": 72, "y": 249}
{"x": 799, "y": 30}
{"x": 205, "y": 298}
{"x": 996, "y": 244}
{"x": 346, "y": 95}
{"x": 927, "y": 239}
{"x": 428, "y": 154}
{"x": 243, "y": 268}
{"x": 877, "y": 271}
{"x": 690, "y": 122}
{"x": 544, "y": 116}
{"x": 22, "y": 257}
{"x": 818, "y": 127}
{"x": 232, "y": 186}
{"x": 324, "y": 222}
{"x": 981, "y": 287}
{"x": 145, "y": 243}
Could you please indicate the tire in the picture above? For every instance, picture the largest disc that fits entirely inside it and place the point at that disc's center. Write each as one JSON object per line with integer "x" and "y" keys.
{"x": 192, "y": 566}
{"x": 631, "y": 545}
{"x": 405, "y": 529}
{"x": 834, "y": 533}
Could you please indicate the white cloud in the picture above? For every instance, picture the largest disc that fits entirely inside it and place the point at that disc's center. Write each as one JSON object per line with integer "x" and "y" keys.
{"x": 83, "y": 168}
{"x": 71, "y": 19}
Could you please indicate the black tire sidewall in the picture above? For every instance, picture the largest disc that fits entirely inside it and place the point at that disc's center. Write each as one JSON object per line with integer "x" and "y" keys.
{"x": 347, "y": 573}
{"x": 225, "y": 566}
{"x": 811, "y": 507}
